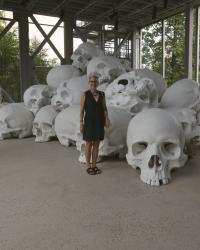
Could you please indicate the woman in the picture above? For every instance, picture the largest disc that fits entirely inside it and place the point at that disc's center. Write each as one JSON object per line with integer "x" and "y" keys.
{"x": 93, "y": 118}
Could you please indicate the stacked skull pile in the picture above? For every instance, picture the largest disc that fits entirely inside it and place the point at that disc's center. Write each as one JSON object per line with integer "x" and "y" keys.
{"x": 150, "y": 124}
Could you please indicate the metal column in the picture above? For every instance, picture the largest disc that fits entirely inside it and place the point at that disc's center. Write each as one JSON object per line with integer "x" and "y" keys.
{"x": 135, "y": 49}
{"x": 188, "y": 42}
{"x": 163, "y": 48}
{"x": 68, "y": 40}
{"x": 197, "y": 52}
{"x": 102, "y": 39}
{"x": 26, "y": 70}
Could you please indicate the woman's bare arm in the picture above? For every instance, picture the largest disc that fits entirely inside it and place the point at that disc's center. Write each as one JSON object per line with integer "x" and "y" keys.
{"x": 82, "y": 103}
{"x": 107, "y": 121}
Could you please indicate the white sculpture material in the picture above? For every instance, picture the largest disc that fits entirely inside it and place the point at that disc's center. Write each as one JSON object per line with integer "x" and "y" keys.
{"x": 182, "y": 94}
{"x": 187, "y": 118}
{"x": 107, "y": 68}
{"x": 67, "y": 125}
{"x": 16, "y": 121}
{"x": 83, "y": 54}
{"x": 61, "y": 73}
{"x": 155, "y": 143}
{"x": 132, "y": 93}
{"x": 185, "y": 94}
{"x": 37, "y": 96}
{"x": 70, "y": 94}
{"x": 43, "y": 124}
{"x": 68, "y": 131}
{"x": 156, "y": 77}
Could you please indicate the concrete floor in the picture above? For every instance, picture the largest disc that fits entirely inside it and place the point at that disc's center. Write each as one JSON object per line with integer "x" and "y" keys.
{"x": 47, "y": 201}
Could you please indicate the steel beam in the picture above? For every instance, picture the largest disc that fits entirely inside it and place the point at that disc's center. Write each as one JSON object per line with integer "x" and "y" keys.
{"x": 90, "y": 4}
{"x": 121, "y": 43}
{"x": 188, "y": 41}
{"x": 46, "y": 37}
{"x": 80, "y": 34}
{"x": 68, "y": 40}
{"x": 7, "y": 28}
{"x": 31, "y": 4}
{"x": 63, "y": 2}
{"x": 197, "y": 52}
{"x": 1, "y": 3}
{"x": 163, "y": 48}
{"x": 135, "y": 49}
{"x": 26, "y": 70}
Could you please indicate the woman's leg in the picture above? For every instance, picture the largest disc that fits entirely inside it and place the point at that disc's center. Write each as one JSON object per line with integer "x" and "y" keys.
{"x": 88, "y": 150}
{"x": 95, "y": 153}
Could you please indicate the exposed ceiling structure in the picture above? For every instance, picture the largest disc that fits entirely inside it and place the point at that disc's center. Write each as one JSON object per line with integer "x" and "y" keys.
{"x": 124, "y": 14}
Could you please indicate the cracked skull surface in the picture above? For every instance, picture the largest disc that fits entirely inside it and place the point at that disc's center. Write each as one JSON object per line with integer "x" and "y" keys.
{"x": 155, "y": 143}
{"x": 60, "y": 74}
{"x": 43, "y": 124}
{"x": 107, "y": 68}
{"x": 16, "y": 121}
{"x": 37, "y": 96}
{"x": 188, "y": 120}
{"x": 182, "y": 94}
{"x": 132, "y": 93}
{"x": 83, "y": 54}
{"x": 155, "y": 77}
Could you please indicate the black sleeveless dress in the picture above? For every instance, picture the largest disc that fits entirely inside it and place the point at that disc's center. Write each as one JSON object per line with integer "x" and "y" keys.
{"x": 94, "y": 119}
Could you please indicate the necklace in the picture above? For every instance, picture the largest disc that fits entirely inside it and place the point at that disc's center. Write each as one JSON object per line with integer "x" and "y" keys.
{"x": 95, "y": 94}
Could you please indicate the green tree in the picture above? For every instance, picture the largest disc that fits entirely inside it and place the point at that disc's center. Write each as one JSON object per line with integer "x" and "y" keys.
{"x": 9, "y": 61}
{"x": 174, "y": 52}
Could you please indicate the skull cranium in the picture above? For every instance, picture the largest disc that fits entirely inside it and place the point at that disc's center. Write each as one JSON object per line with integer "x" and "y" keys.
{"x": 155, "y": 145}
{"x": 37, "y": 96}
{"x": 106, "y": 67}
{"x": 132, "y": 93}
{"x": 43, "y": 124}
{"x": 15, "y": 121}
{"x": 83, "y": 54}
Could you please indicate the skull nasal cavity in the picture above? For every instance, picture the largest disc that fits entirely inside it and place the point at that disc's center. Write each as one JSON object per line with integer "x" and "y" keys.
{"x": 123, "y": 82}
{"x": 154, "y": 161}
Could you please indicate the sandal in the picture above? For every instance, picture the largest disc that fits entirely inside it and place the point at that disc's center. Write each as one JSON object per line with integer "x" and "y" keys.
{"x": 97, "y": 170}
{"x": 91, "y": 171}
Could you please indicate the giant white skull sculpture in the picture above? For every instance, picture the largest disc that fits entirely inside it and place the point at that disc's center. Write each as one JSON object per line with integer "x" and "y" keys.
{"x": 15, "y": 121}
{"x": 67, "y": 125}
{"x": 156, "y": 77}
{"x": 61, "y": 73}
{"x": 68, "y": 131}
{"x": 83, "y": 54}
{"x": 106, "y": 67}
{"x": 182, "y": 94}
{"x": 70, "y": 93}
{"x": 185, "y": 94}
{"x": 132, "y": 93}
{"x": 37, "y": 96}
{"x": 188, "y": 120}
{"x": 155, "y": 145}
{"x": 43, "y": 124}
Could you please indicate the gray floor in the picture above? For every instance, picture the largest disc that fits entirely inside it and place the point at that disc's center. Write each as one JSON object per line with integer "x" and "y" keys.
{"x": 47, "y": 201}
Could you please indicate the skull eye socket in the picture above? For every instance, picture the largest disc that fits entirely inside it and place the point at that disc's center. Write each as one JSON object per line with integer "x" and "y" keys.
{"x": 184, "y": 125}
{"x": 139, "y": 147}
{"x": 144, "y": 96}
{"x": 123, "y": 82}
{"x": 170, "y": 148}
{"x": 64, "y": 94}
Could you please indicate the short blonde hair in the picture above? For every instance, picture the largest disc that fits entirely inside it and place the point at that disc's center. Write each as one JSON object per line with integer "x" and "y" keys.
{"x": 93, "y": 74}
